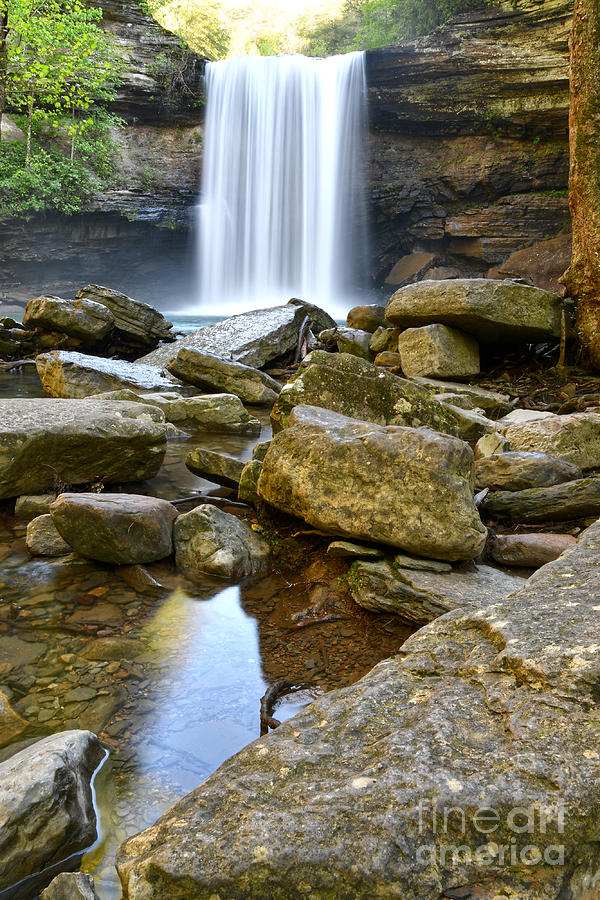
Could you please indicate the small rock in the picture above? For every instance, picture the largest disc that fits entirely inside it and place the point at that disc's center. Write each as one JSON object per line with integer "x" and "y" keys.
{"x": 529, "y": 549}
{"x": 43, "y": 538}
{"x": 217, "y": 467}
{"x": 388, "y": 360}
{"x": 367, "y": 318}
{"x": 351, "y": 550}
{"x": 473, "y": 425}
{"x": 491, "y": 402}
{"x": 438, "y": 351}
{"x": 210, "y": 541}
{"x": 384, "y": 340}
{"x": 70, "y": 886}
{"x": 348, "y": 340}
{"x": 491, "y": 444}
{"x": 421, "y": 565}
{"x": 558, "y": 503}
{"x": 524, "y": 416}
{"x": 248, "y": 486}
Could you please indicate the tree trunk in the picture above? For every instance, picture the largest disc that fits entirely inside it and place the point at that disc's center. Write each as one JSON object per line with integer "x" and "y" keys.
{"x": 3, "y": 57}
{"x": 29, "y": 124}
{"x": 582, "y": 279}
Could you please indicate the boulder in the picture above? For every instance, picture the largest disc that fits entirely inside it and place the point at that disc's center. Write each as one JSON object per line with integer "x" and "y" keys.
{"x": 217, "y": 467}
{"x": 47, "y": 811}
{"x": 472, "y": 423}
{"x": 353, "y": 387}
{"x": 30, "y": 506}
{"x": 384, "y": 340}
{"x": 517, "y": 471}
{"x": 84, "y": 319}
{"x": 419, "y": 597}
{"x": 574, "y": 437}
{"x": 43, "y": 539}
{"x": 491, "y": 402}
{"x": 387, "y": 360}
{"x": 319, "y": 319}
{"x": 122, "y": 529}
{"x": 437, "y": 351}
{"x": 348, "y": 340}
{"x": 487, "y": 716}
{"x": 45, "y": 442}
{"x": 543, "y": 263}
{"x": 367, "y": 318}
{"x": 214, "y": 373}
{"x": 490, "y": 310}
{"x": 253, "y": 338}
{"x": 559, "y": 503}
{"x": 524, "y": 417}
{"x": 10, "y": 131}
{"x": 248, "y": 486}
{"x": 406, "y": 487}
{"x": 11, "y": 723}
{"x": 532, "y": 550}
{"x": 79, "y": 375}
{"x": 70, "y": 886}
{"x": 491, "y": 444}
{"x": 136, "y": 323}
{"x": 214, "y": 412}
{"x": 212, "y": 542}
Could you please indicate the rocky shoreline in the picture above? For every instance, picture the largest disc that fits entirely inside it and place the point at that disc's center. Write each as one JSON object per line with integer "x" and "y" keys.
{"x": 440, "y": 502}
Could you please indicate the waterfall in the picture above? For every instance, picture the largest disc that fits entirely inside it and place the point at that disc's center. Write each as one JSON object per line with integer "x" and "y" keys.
{"x": 282, "y": 197}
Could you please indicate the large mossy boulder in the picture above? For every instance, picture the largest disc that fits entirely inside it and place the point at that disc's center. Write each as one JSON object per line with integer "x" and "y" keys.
{"x": 214, "y": 373}
{"x": 354, "y": 387}
{"x": 136, "y": 324}
{"x": 490, "y": 310}
{"x": 406, "y": 487}
{"x": 122, "y": 529}
{"x": 252, "y": 338}
{"x": 77, "y": 375}
{"x": 84, "y": 319}
{"x": 46, "y": 808}
{"x": 486, "y": 717}
{"x": 44, "y": 443}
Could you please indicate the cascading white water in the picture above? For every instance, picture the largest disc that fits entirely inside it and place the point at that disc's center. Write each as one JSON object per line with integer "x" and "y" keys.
{"x": 282, "y": 199}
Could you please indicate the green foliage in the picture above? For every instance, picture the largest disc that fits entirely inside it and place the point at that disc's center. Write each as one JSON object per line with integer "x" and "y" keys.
{"x": 176, "y": 72}
{"x": 53, "y": 181}
{"x": 197, "y": 22}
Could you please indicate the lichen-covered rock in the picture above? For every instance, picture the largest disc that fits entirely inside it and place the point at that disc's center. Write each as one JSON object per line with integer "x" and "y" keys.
{"x": 519, "y": 470}
{"x": 77, "y": 375}
{"x": 211, "y": 372}
{"x": 136, "y": 323}
{"x": 472, "y": 423}
{"x": 253, "y": 338}
{"x": 122, "y": 529}
{"x": 353, "y": 387}
{"x": 45, "y": 442}
{"x": 558, "y": 503}
{"x": 406, "y": 487}
{"x": 384, "y": 340}
{"x": 487, "y": 716}
{"x": 367, "y": 318}
{"x": 213, "y": 412}
{"x": 84, "y": 319}
{"x": 437, "y": 351}
{"x": 574, "y": 437}
{"x": 248, "y": 486}
{"x": 70, "y": 886}
{"x": 210, "y": 541}
{"x": 217, "y": 467}
{"x": 529, "y": 549}
{"x": 47, "y": 810}
{"x": 43, "y": 539}
{"x": 11, "y": 723}
{"x": 421, "y": 596}
{"x": 490, "y": 310}
{"x": 348, "y": 340}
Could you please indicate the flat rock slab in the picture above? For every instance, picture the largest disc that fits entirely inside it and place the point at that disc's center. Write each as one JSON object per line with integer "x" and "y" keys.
{"x": 490, "y": 709}
{"x": 79, "y": 375}
{"x": 84, "y": 319}
{"x": 44, "y": 442}
{"x": 216, "y": 412}
{"x": 354, "y": 387}
{"x": 406, "y": 487}
{"x": 216, "y": 467}
{"x": 210, "y": 541}
{"x": 519, "y": 470}
{"x": 491, "y": 402}
{"x": 490, "y": 310}
{"x": 574, "y": 437}
{"x": 253, "y": 338}
{"x": 419, "y": 597}
{"x": 136, "y": 321}
{"x": 559, "y": 503}
{"x": 438, "y": 351}
{"x": 122, "y": 529}
{"x": 47, "y": 811}
{"x": 211, "y": 372}
{"x": 530, "y": 549}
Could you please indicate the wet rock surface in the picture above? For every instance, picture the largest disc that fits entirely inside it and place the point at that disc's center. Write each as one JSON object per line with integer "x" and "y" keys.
{"x": 217, "y": 467}
{"x": 558, "y": 503}
{"x": 84, "y": 319}
{"x": 45, "y": 441}
{"x": 43, "y": 539}
{"x": 517, "y": 471}
{"x": 135, "y": 322}
{"x": 210, "y": 541}
{"x": 123, "y": 529}
{"x": 411, "y": 488}
{"x": 69, "y": 886}
{"x": 448, "y": 723}
{"x": 211, "y": 372}
{"x": 79, "y": 375}
{"x": 47, "y": 810}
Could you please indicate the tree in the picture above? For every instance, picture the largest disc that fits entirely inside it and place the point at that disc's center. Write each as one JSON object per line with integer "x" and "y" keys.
{"x": 197, "y": 22}
{"x": 582, "y": 279}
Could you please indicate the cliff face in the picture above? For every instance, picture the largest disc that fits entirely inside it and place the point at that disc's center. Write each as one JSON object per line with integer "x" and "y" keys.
{"x": 469, "y": 137}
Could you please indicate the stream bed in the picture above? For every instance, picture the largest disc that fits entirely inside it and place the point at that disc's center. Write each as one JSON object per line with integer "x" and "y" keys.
{"x": 169, "y": 677}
